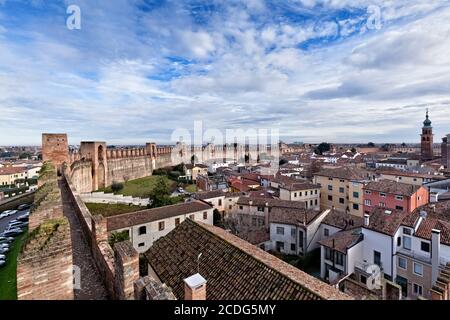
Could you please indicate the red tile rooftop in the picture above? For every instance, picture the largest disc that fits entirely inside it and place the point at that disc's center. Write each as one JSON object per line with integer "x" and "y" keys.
{"x": 140, "y": 217}
{"x": 233, "y": 268}
{"x": 343, "y": 240}
{"x": 392, "y": 187}
{"x": 12, "y": 170}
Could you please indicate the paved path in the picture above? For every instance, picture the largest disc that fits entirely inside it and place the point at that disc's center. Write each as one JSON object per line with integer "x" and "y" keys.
{"x": 92, "y": 287}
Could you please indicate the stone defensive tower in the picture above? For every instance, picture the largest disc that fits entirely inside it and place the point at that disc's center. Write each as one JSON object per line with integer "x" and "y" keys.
{"x": 55, "y": 148}
{"x": 95, "y": 152}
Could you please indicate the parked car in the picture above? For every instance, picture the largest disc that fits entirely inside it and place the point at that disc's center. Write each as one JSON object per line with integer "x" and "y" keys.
{"x": 8, "y": 213}
{"x": 5, "y": 213}
{"x": 4, "y": 245}
{"x": 7, "y": 239}
{"x": 23, "y": 207}
{"x": 23, "y": 218}
{"x": 4, "y": 250}
{"x": 12, "y": 232}
{"x": 5, "y": 242}
{"x": 2, "y": 263}
{"x": 2, "y": 257}
{"x": 17, "y": 224}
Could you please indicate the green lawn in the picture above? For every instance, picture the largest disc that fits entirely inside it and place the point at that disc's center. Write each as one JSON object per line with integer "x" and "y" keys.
{"x": 190, "y": 188}
{"x": 140, "y": 187}
{"x": 111, "y": 209}
{"x": 8, "y": 275}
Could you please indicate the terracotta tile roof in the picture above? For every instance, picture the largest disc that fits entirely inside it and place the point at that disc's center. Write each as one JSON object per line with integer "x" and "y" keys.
{"x": 386, "y": 221}
{"x": 155, "y": 214}
{"x": 12, "y": 170}
{"x": 438, "y": 210}
{"x": 234, "y": 269}
{"x": 293, "y": 216}
{"x": 215, "y": 194}
{"x": 263, "y": 193}
{"x": 411, "y": 174}
{"x": 342, "y": 220}
{"x": 392, "y": 187}
{"x": 343, "y": 240}
{"x": 240, "y": 186}
{"x": 428, "y": 224}
{"x": 256, "y": 201}
{"x": 350, "y": 173}
{"x": 438, "y": 217}
{"x": 298, "y": 186}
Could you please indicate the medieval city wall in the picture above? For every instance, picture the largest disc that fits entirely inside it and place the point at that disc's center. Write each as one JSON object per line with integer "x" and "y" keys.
{"x": 44, "y": 269}
{"x": 81, "y": 175}
{"x": 119, "y": 266}
{"x": 164, "y": 160}
{"x": 123, "y": 169}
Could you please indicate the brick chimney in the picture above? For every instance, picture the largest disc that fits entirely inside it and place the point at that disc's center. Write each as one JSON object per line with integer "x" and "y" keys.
{"x": 195, "y": 288}
{"x": 435, "y": 253}
{"x": 366, "y": 220}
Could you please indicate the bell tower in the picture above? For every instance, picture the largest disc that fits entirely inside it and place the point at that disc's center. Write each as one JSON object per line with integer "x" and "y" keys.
{"x": 427, "y": 140}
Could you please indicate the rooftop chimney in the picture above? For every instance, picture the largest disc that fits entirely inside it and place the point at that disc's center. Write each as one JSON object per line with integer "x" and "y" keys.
{"x": 366, "y": 219}
{"x": 435, "y": 253}
{"x": 195, "y": 287}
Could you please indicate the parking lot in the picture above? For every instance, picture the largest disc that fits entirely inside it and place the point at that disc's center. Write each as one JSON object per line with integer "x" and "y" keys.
{"x": 5, "y": 221}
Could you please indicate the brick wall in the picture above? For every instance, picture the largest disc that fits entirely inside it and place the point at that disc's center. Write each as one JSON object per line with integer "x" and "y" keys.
{"x": 55, "y": 148}
{"x": 14, "y": 202}
{"x": 127, "y": 270}
{"x": 44, "y": 270}
{"x": 118, "y": 268}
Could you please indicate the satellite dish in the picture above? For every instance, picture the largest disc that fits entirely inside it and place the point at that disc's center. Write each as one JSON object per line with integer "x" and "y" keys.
{"x": 423, "y": 214}
{"x": 374, "y": 280}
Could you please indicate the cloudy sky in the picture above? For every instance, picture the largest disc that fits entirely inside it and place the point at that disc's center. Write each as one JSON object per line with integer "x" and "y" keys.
{"x": 317, "y": 70}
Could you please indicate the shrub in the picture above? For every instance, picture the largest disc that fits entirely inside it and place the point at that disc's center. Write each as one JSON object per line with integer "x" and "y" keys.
{"x": 159, "y": 172}
{"x": 118, "y": 236}
{"x": 116, "y": 186}
{"x": 174, "y": 174}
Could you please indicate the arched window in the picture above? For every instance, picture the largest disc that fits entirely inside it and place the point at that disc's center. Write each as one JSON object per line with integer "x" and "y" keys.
{"x": 142, "y": 230}
{"x": 100, "y": 153}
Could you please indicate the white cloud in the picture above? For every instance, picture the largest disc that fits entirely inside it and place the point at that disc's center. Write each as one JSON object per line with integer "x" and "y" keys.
{"x": 133, "y": 75}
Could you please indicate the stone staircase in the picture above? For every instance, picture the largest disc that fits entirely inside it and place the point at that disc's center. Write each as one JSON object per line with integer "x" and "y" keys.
{"x": 111, "y": 198}
{"x": 441, "y": 288}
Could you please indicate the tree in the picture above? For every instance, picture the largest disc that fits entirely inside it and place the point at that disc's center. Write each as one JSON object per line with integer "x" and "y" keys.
{"x": 118, "y": 236}
{"x": 323, "y": 147}
{"x": 161, "y": 193}
{"x": 353, "y": 150}
{"x": 217, "y": 217}
{"x": 179, "y": 168}
{"x": 403, "y": 144}
{"x": 25, "y": 155}
{"x": 371, "y": 145}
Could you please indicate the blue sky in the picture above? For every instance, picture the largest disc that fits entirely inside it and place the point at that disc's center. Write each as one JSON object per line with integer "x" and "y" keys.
{"x": 317, "y": 70}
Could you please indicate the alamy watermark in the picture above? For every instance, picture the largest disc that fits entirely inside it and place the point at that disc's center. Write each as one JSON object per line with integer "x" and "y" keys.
{"x": 237, "y": 146}
{"x": 73, "y": 21}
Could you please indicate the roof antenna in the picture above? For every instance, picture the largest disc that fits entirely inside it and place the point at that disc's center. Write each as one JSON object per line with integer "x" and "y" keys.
{"x": 198, "y": 262}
